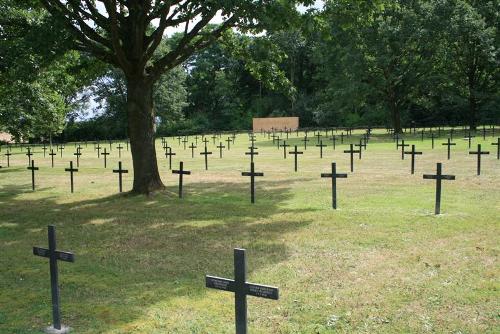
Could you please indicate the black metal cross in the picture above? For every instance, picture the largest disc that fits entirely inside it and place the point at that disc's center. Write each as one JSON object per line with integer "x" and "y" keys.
{"x": 61, "y": 149}
{"x": 206, "y": 154}
{"x": 52, "y": 154}
{"x": 333, "y": 138}
{"x": 479, "y": 153}
{"x": 305, "y": 140}
{"x": 54, "y": 255}
{"x": 220, "y": 147}
{"x": 120, "y": 171}
{"x": 214, "y": 137}
{"x": 205, "y": 140}
{"x": 468, "y": 138}
{"x": 8, "y": 154}
{"x": 318, "y": 136}
{"x": 351, "y": 151}
{"x": 295, "y": 153}
{"x": 105, "y": 154}
{"x": 403, "y": 145}
{"x": 241, "y": 289}
{"x": 252, "y": 175}
{"x": 333, "y": 175}
{"x": 360, "y": 145}
{"x": 432, "y": 140}
{"x": 192, "y": 147}
{"x": 196, "y": 140}
{"x": 251, "y": 153}
{"x": 449, "y": 144}
{"x": 181, "y": 173}
{"x": 71, "y": 170}
{"x": 438, "y": 177}
{"x": 284, "y": 145}
{"x": 29, "y": 154}
{"x": 413, "y": 153}
{"x": 33, "y": 169}
{"x": 169, "y": 154}
{"x": 497, "y": 145}
{"x": 77, "y": 154}
{"x": 229, "y": 141}
{"x": 98, "y": 148}
{"x": 120, "y": 148}
{"x": 179, "y": 140}
{"x": 184, "y": 141}
{"x": 321, "y": 145}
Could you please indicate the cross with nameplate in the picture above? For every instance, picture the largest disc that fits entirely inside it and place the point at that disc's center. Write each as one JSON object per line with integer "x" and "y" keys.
{"x": 181, "y": 173}
{"x": 33, "y": 169}
{"x": 413, "y": 153}
{"x": 105, "y": 154}
{"x": 449, "y": 144}
{"x": 54, "y": 255}
{"x": 71, "y": 170}
{"x": 497, "y": 144}
{"x": 479, "y": 153}
{"x": 334, "y": 175}
{"x": 351, "y": 151}
{"x": 192, "y": 147}
{"x": 284, "y": 145}
{"x": 295, "y": 153}
{"x": 169, "y": 154}
{"x": 251, "y": 153}
{"x": 438, "y": 177}
{"x": 252, "y": 175}
{"x": 321, "y": 145}
{"x": 241, "y": 289}
{"x": 206, "y": 154}
{"x": 220, "y": 147}
{"x": 120, "y": 171}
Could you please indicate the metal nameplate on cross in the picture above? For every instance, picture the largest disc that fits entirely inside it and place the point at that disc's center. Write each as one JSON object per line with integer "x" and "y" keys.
{"x": 241, "y": 289}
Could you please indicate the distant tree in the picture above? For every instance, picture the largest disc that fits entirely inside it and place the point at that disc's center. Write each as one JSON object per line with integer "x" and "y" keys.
{"x": 123, "y": 35}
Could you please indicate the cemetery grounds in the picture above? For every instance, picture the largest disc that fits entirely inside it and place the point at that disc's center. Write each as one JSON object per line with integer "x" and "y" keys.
{"x": 381, "y": 263}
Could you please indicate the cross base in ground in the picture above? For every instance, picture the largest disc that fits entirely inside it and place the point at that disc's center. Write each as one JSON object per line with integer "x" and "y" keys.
{"x": 52, "y": 330}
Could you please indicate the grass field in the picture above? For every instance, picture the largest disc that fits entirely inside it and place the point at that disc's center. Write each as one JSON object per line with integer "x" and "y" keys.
{"x": 381, "y": 263}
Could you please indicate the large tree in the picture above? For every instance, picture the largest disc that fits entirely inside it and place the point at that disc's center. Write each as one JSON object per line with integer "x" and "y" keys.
{"x": 127, "y": 34}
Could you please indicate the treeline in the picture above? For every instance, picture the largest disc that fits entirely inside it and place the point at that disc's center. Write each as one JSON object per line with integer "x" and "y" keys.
{"x": 353, "y": 63}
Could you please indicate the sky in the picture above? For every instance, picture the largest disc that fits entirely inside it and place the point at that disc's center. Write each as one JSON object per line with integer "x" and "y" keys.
{"x": 90, "y": 109}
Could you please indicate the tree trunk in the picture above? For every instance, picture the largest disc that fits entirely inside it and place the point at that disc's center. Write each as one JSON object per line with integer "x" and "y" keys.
{"x": 472, "y": 106}
{"x": 141, "y": 128}
{"x": 395, "y": 114}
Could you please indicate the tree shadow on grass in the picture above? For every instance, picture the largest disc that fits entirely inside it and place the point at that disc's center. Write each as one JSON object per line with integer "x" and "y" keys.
{"x": 133, "y": 252}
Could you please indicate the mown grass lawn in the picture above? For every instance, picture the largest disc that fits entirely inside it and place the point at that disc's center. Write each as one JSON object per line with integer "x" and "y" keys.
{"x": 382, "y": 263}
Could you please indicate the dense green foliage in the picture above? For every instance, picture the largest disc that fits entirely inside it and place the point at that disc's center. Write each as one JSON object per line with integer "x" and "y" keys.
{"x": 352, "y": 63}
